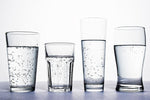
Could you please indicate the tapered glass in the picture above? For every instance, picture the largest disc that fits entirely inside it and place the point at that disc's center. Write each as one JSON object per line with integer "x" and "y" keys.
{"x": 93, "y": 43}
{"x": 60, "y": 59}
{"x": 129, "y": 48}
{"x": 22, "y": 52}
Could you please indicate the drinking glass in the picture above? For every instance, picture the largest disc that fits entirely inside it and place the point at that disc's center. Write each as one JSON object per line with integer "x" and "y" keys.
{"x": 93, "y": 43}
{"x": 60, "y": 59}
{"x": 129, "y": 48}
{"x": 22, "y": 52}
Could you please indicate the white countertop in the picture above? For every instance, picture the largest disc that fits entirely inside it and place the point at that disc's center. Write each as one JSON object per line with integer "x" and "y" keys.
{"x": 77, "y": 93}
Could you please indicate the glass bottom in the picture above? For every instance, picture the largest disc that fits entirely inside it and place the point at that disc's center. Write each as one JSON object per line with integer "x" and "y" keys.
{"x": 129, "y": 88}
{"x": 22, "y": 89}
{"x": 93, "y": 87}
{"x": 59, "y": 89}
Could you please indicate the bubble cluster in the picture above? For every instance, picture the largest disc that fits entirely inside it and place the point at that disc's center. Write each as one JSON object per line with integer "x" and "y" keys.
{"x": 22, "y": 63}
{"x": 61, "y": 70}
{"x": 93, "y": 60}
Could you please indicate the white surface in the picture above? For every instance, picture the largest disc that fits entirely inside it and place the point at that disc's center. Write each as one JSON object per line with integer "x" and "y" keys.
{"x": 59, "y": 20}
{"x": 77, "y": 93}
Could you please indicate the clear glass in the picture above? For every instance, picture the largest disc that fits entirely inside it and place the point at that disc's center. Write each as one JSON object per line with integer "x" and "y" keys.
{"x": 22, "y": 52}
{"x": 60, "y": 59}
{"x": 93, "y": 33}
{"x": 129, "y": 48}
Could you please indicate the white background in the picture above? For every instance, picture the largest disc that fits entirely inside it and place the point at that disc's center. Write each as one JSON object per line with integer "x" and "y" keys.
{"x": 59, "y": 20}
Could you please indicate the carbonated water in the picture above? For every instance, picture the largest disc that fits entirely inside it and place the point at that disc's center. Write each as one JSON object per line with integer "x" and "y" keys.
{"x": 22, "y": 63}
{"x": 60, "y": 70}
{"x": 93, "y": 53}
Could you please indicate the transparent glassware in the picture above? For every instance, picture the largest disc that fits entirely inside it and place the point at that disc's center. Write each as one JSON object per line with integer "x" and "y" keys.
{"x": 60, "y": 60}
{"x": 22, "y": 53}
{"x": 93, "y": 43}
{"x": 129, "y": 48}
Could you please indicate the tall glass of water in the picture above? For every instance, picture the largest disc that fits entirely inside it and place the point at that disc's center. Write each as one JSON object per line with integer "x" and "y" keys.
{"x": 130, "y": 44}
{"x": 22, "y": 52}
{"x": 60, "y": 59}
{"x": 93, "y": 33}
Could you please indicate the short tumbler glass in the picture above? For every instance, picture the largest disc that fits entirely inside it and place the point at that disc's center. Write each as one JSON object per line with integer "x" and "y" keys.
{"x": 129, "y": 48}
{"x": 93, "y": 33}
{"x": 22, "y": 52}
{"x": 60, "y": 59}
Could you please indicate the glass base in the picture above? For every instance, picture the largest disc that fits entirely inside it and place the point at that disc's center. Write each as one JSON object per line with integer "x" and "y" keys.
{"x": 129, "y": 88}
{"x": 59, "y": 89}
{"x": 94, "y": 87}
{"x": 22, "y": 89}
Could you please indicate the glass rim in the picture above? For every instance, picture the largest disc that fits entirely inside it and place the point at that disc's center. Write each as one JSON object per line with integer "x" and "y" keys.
{"x": 90, "y": 18}
{"x": 59, "y": 43}
{"x": 130, "y": 28}
{"x": 22, "y": 33}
